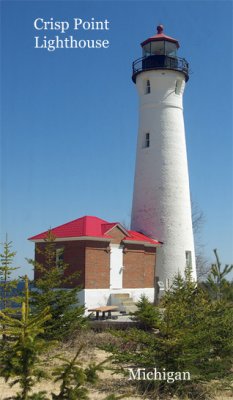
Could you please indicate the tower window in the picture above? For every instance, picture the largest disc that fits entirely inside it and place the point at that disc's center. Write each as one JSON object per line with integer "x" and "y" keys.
{"x": 178, "y": 86}
{"x": 188, "y": 258}
{"x": 147, "y": 140}
{"x": 147, "y": 87}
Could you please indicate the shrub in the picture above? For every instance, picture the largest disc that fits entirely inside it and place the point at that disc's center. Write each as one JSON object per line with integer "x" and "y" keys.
{"x": 67, "y": 315}
{"x": 20, "y": 357}
{"x": 147, "y": 314}
{"x": 195, "y": 335}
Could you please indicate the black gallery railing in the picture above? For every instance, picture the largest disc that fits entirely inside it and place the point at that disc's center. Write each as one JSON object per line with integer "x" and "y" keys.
{"x": 160, "y": 62}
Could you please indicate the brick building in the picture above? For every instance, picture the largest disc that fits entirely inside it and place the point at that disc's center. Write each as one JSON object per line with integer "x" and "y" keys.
{"x": 110, "y": 259}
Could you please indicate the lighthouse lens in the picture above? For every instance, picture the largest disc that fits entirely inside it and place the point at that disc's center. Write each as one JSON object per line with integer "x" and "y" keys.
{"x": 158, "y": 48}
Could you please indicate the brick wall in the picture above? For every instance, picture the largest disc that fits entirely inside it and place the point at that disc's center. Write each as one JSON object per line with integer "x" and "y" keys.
{"x": 74, "y": 257}
{"x": 92, "y": 260}
{"x": 116, "y": 235}
{"x": 139, "y": 263}
{"x": 97, "y": 271}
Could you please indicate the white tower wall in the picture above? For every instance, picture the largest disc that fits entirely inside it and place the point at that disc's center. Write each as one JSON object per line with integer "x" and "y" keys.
{"x": 161, "y": 200}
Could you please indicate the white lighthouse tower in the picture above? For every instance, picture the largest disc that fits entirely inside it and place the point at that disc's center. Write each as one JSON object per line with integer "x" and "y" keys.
{"x": 161, "y": 200}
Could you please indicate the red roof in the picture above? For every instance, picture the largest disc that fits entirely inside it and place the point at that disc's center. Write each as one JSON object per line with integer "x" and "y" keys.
{"x": 160, "y": 36}
{"x": 89, "y": 226}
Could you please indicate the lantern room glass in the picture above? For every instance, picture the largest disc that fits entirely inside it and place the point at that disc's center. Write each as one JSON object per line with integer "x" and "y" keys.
{"x": 159, "y": 47}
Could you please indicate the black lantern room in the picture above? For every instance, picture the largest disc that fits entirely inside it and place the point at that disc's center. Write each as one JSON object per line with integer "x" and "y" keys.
{"x": 160, "y": 52}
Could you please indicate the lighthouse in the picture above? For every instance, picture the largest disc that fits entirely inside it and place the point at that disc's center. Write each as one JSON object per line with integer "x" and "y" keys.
{"x": 161, "y": 205}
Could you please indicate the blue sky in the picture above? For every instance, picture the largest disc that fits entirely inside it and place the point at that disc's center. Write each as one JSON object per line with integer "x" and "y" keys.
{"x": 69, "y": 117}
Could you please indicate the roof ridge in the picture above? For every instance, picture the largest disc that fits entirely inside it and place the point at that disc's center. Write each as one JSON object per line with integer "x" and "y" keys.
{"x": 95, "y": 227}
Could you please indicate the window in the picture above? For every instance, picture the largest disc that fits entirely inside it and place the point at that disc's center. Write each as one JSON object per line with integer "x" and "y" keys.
{"x": 59, "y": 256}
{"x": 147, "y": 88}
{"x": 147, "y": 140}
{"x": 178, "y": 86}
{"x": 188, "y": 257}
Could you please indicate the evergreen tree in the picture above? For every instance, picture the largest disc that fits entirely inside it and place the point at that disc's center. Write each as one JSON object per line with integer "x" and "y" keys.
{"x": 67, "y": 314}
{"x": 7, "y": 284}
{"x": 74, "y": 378}
{"x": 219, "y": 287}
{"x": 195, "y": 335}
{"x": 20, "y": 359}
{"x": 147, "y": 314}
